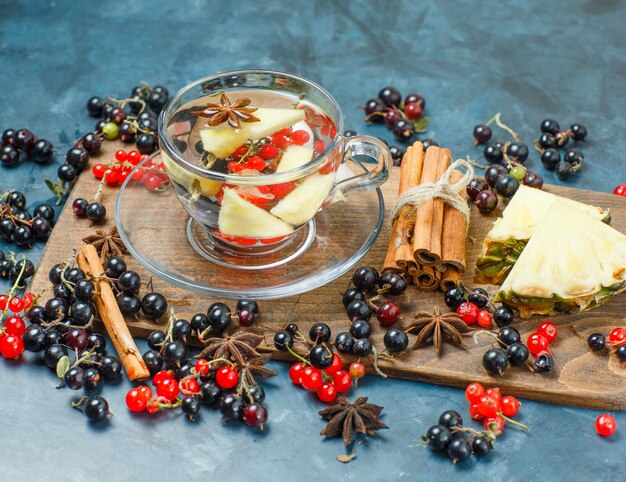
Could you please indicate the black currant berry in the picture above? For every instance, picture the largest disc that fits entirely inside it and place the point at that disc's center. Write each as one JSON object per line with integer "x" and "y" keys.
{"x": 42, "y": 151}
{"x": 110, "y": 367}
{"x": 352, "y": 294}
{"x": 508, "y": 335}
{"x": 517, "y": 353}
{"x": 74, "y": 378}
{"x": 321, "y": 356}
{"x": 459, "y": 449}
{"x": 455, "y": 296}
{"x": 34, "y": 338}
{"x": 96, "y": 409}
{"x": 495, "y": 361}
{"x": 362, "y": 347}
{"x": 517, "y": 152}
{"x": 359, "y": 309}
{"x": 395, "y": 340}
{"x": 365, "y": 278}
{"x": 93, "y": 379}
{"x": 360, "y": 329}
{"x": 550, "y": 158}
{"x": 283, "y": 341}
{"x": 507, "y": 186}
{"x": 95, "y": 212}
{"x": 550, "y": 126}
{"x": 596, "y": 341}
{"x": 231, "y": 406}
{"x": 579, "y": 132}
{"x": 129, "y": 282}
{"x": 344, "y": 342}
{"x": 115, "y": 267}
{"x": 53, "y": 354}
{"x": 181, "y": 329}
{"x": 503, "y": 316}
{"x": 438, "y": 438}
{"x": 393, "y": 282}
{"x": 482, "y": 133}
{"x": 493, "y": 154}
{"x": 199, "y": 322}
{"x": 481, "y": 446}
{"x": 154, "y": 305}
{"x": 319, "y": 333}
{"x": 564, "y": 170}
{"x": 95, "y": 106}
{"x": 219, "y": 316}
{"x": 153, "y": 361}
{"x": 451, "y": 418}
{"x": 479, "y": 297}
{"x": 174, "y": 353}
{"x": 375, "y": 110}
{"x": 79, "y": 207}
{"x": 390, "y": 96}
{"x": 544, "y": 363}
{"x": 248, "y": 305}
{"x": 91, "y": 142}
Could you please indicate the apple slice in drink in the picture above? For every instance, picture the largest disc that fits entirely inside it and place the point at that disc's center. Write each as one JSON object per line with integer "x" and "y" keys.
{"x": 224, "y": 140}
{"x": 301, "y": 204}
{"x": 239, "y": 217}
{"x": 293, "y": 157}
{"x": 208, "y": 187}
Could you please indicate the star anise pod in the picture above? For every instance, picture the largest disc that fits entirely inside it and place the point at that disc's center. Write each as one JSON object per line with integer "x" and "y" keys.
{"x": 238, "y": 347}
{"x": 234, "y": 113}
{"x": 447, "y": 327}
{"x": 345, "y": 418}
{"x": 107, "y": 244}
{"x": 254, "y": 367}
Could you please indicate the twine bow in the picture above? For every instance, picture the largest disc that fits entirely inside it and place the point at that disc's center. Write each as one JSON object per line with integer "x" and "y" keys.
{"x": 443, "y": 189}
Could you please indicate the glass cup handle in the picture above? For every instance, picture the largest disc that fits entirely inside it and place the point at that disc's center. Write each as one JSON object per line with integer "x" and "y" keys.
{"x": 363, "y": 146}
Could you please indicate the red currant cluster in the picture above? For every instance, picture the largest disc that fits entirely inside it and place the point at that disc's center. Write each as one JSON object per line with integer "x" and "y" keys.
{"x": 617, "y": 342}
{"x": 11, "y": 342}
{"x": 459, "y": 441}
{"x": 539, "y": 343}
{"x": 620, "y": 190}
{"x": 552, "y": 139}
{"x": 152, "y": 174}
{"x": 16, "y": 146}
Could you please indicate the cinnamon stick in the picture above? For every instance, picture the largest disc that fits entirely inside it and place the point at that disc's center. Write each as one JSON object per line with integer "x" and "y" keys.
{"x": 111, "y": 316}
{"x": 400, "y": 253}
{"x": 450, "y": 277}
{"x": 427, "y": 278}
{"x": 454, "y": 234}
{"x": 429, "y": 217}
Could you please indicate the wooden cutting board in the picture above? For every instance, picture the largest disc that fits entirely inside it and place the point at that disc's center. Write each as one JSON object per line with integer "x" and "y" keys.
{"x": 581, "y": 378}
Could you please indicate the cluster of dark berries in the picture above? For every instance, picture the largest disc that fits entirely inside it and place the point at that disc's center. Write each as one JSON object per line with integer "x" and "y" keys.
{"x": 133, "y": 119}
{"x": 359, "y": 305}
{"x": 617, "y": 342}
{"x": 403, "y": 119}
{"x": 93, "y": 210}
{"x": 211, "y": 378}
{"x": 20, "y": 226}
{"x": 475, "y": 306}
{"x": 512, "y": 350}
{"x": 18, "y": 271}
{"x": 552, "y": 139}
{"x": 23, "y": 145}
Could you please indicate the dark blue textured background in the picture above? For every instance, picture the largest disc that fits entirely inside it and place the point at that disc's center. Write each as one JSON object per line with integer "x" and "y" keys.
{"x": 528, "y": 59}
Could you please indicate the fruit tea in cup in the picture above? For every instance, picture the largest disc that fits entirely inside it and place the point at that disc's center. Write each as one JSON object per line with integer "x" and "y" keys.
{"x": 252, "y": 134}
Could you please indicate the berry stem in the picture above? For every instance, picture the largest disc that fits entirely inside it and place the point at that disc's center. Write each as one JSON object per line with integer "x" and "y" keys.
{"x": 298, "y": 357}
{"x": 498, "y": 120}
{"x": 513, "y": 422}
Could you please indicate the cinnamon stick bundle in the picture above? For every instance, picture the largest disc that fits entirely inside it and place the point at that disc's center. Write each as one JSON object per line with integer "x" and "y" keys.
{"x": 454, "y": 234}
{"x": 111, "y": 316}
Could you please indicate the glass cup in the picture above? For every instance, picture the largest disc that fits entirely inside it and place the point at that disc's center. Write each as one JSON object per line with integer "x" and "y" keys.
{"x": 257, "y": 210}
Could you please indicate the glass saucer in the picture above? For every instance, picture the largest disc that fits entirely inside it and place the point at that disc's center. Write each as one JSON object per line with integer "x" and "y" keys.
{"x": 160, "y": 234}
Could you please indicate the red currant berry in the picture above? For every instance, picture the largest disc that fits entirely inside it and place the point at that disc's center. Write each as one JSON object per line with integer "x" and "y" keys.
{"x": 281, "y": 190}
{"x": 295, "y": 373}
{"x": 510, "y": 406}
{"x": 327, "y": 392}
{"x": 269, "y": 152}
{"x": 135, "y": 400}
{"x": 14, "y": 325}
{"x": 146, "y": 392}
{"x": 281, "y": 141}
{"x": 98, "y": 171}
{"x": 300, "y": 137}
{"x": 152, "y": 182}
{"x": 357, "y": 370}
{"x": 256, "y": 163}
{"x": 495, "y": 393}
{"x": 488, "y": 406}
{"x": 620, "y": 190}
{"x": 232, "y": 166}
{"x": 4, "y": 301}
{"x": 474, "y": 392}
{"x": 475, "y": 413}
{"x": 133, "y": 157}
{"x": 16, "y": 305}
{"x": 549, "y": 330}
{"x": 388, "y": 313}
{"x": 138, "y": 176}
{"x": 124, "y": 173}
{"x": 537, "y": 343}
{"x": 468, "y": 312}
{"x": 152, "y": 408}
{"x": 413, "y": 110}
{"x": 335, "y": 366}
{"x": 28, "y": 299}
{"x": 120, "y": 155}
{"x": 226, "y": 377}
{"x": 484, "y": 319}
{"x": 161, "y": 376}
{"x": 11, "y": 346}
{"x": 319, "y": 146}
{"x": 254, "y": 415}
{"x": 189, "y": 385}
{"x": 311, "y": 378}
{"x": 616, "y": 337}
{"x": 239, "y": 152}
{"x": 286, "y": 132}
{"x": 605, "y": 425}
{"x": 111, "y": 177}
{"x": 494, "y": 424}
{"x": 168, "y": 389}
{"x": 202, "y": 367}
{"x": 342, "y": 381}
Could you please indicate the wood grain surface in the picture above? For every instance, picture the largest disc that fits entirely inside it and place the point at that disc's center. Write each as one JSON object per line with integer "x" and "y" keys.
{"x": 581, "y": 378}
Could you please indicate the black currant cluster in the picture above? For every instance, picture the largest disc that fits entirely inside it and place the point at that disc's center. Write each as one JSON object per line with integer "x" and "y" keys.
{"x": 18, "y": 271}
{"x": 96, "y": 409}
{"x": 134, "y": 119}
{"x": 95, "y": 211}
{"x": 18, "y": 225}
{"x": 127, "y": 285}
{"x": 458, "y": 443}
{"x": 552, "y": 139}
{"x": 617, "y": 343}
{"x": 23, "y": 145}
{"x": 511, "y": 350}
{"x": 470, "y": 306}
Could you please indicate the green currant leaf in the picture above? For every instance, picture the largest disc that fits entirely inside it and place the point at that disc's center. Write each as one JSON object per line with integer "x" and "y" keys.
{"x": 63, "y": 365}
{"x": 420, "y": 125}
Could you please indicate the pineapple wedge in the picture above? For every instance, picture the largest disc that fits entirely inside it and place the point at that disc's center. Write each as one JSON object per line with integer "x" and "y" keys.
{"x": 301, "y": 204}
{"x": 224, "y": 140}
{"x": 510, "y": 233}
{"x": 239, "y": 217}
{"x": 293, "y": 157}
{"x": 572, "y": 262}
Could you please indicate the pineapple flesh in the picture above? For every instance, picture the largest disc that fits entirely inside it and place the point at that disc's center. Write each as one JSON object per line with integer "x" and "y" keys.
{"x": 510, "y": 233}
{"x": 571, "y": 263}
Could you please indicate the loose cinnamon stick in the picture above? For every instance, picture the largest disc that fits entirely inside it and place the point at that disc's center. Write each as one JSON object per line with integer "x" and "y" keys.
{"x": 400, "y": 253}
{"x": 450, "y": 278}
{"x": 429, "y": 217}
{"x": 111, "y": 316}
{"x": 454, "y": 234}
{"x": 427, "y": 278}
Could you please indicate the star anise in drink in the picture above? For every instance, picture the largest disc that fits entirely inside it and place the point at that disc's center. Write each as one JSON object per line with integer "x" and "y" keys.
{"x": 447, "y": 327}
{"x": 233, "y": 113}
{"x": 345, "y": 418}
